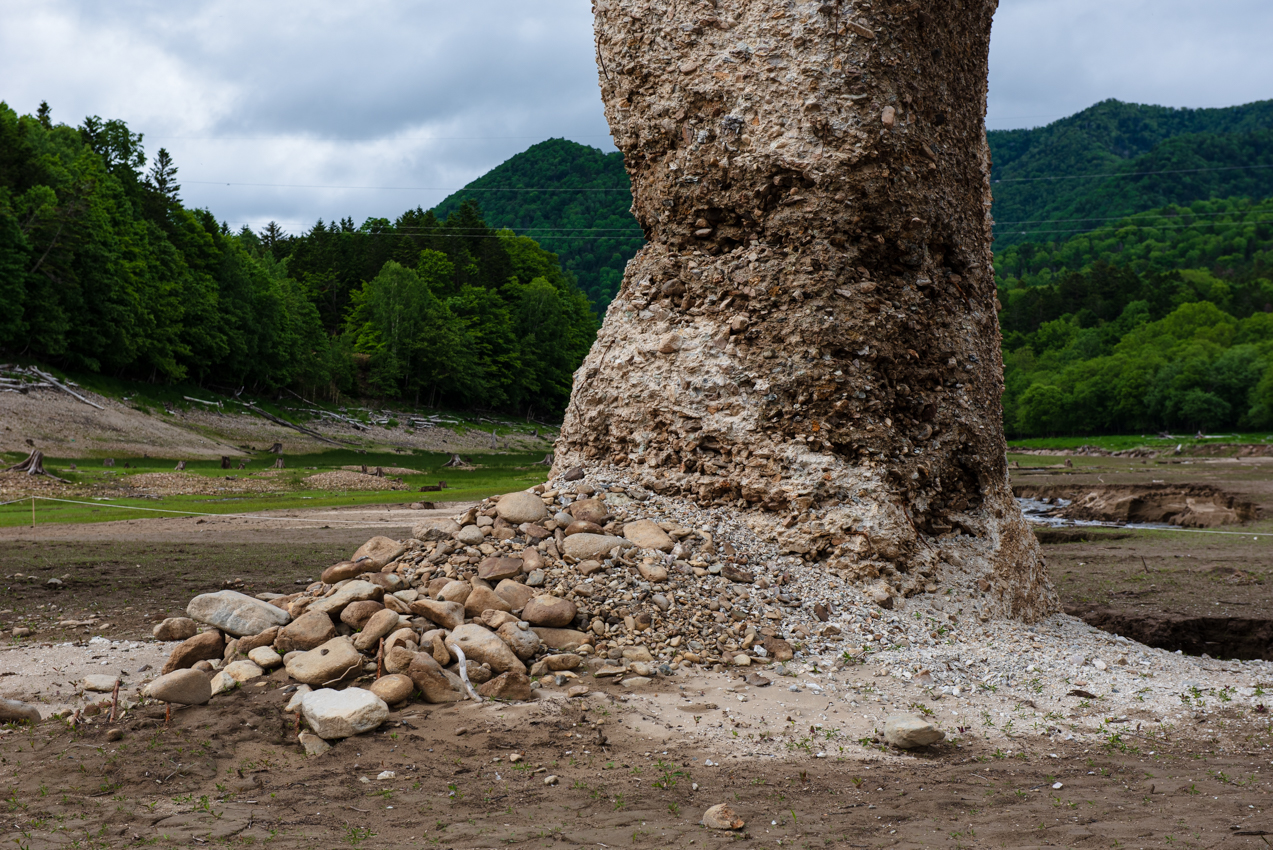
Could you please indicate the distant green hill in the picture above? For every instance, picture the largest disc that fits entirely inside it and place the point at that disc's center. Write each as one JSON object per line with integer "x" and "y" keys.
{"x": 570, "y": 198}
{"x": 1043, "y": 183}
{"x": 574, "y": 199}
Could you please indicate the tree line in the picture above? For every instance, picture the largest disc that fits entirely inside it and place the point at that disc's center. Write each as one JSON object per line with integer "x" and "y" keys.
{"x": 103, "y": 269}
{"x": 1162, "y": 321}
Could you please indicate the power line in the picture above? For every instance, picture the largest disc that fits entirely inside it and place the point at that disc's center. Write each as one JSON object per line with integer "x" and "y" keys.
{"x": 1119, "y": 217}
{"x": 1225, "y": 224}
{"x": 1127, "y": 173}
{"x": 399, "y": 188}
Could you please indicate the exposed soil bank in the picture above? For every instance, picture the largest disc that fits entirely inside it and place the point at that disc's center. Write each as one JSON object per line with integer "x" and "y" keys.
{"x": 1186, "y": 505}
{"x": 1219, "y": 637}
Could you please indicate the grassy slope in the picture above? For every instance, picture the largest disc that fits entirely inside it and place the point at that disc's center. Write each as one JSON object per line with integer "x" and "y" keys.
{"x": 494, "y": 473}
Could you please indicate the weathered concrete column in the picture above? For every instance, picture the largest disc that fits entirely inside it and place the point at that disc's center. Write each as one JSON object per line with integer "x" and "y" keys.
{"x": 811, "y": 330}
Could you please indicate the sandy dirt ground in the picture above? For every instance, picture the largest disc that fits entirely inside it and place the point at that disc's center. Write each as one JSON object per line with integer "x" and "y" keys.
{"x": 795, "y": 749}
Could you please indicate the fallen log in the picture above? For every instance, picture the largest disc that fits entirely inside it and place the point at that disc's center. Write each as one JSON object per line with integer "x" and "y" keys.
{"x": 307, "y": 431}
{"x": 55, "y": 382}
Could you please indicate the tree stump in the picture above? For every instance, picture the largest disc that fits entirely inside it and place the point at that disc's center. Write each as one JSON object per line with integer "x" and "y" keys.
{"x": 33, "y": 465}
{"x": 225, "y": 462}
{"x": 181, "y": 466}
{"x": 810, "y": 331}
{"x": 278, "y": 464}
{"x": 455, "y": 460}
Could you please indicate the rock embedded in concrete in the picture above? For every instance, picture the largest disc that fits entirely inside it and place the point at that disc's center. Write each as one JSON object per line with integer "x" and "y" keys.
{"x": 235, "y": 613}
{"x": 516, "y": 508}
{"x": 206, "y": 646}
{"x": 175, "y": 628}
{"x": 332, "y": 715}
{"x": 327, "y": 664}
{"x": 908, "y": 732}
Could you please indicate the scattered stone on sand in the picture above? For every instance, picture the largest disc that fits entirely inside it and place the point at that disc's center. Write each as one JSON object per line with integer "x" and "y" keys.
{"x": 907, "y": 732}
{"x": 549, "y": 611}
{"x": 646, "y": 534}
{"x": 378, "y": 552}
{"x": 381, "y": 625}
{"x": 341, "y": 714}
{"x": 485, "y": 647}
{"x": 721, "y": 816}
{"x": 265, "y": 657}
{"x": 12, "y": 710}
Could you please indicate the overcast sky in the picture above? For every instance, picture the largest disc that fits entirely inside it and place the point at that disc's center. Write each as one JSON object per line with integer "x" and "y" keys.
{"x": 360, "y": 108}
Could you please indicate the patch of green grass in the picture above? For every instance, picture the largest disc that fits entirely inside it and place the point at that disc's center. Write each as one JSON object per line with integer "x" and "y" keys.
{"x": 1119, "y": 442}
{"x": 493, "y": 473}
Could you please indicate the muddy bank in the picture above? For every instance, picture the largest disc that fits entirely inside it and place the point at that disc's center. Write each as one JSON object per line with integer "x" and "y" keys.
{"x": 1185, "y": 505}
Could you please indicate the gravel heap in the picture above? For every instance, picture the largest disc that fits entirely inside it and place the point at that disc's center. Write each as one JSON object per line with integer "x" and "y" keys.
{"x": 597, "y": 573}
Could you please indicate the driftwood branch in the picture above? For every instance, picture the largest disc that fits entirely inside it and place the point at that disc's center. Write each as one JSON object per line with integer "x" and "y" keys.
{"x": 307, "y": 431}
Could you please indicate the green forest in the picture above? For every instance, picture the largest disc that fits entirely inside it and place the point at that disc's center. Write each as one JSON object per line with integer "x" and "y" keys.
{"x": 1133, "y": 264}
{"x": 102, "y": 269}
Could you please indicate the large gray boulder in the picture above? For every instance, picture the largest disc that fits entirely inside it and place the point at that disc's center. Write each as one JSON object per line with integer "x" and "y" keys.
{"x": 236, "y": 613}
{"x": 342, "y": 714}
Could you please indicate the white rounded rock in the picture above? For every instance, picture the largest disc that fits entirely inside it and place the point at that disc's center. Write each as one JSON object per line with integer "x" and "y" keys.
{"x": 341, "y": 714}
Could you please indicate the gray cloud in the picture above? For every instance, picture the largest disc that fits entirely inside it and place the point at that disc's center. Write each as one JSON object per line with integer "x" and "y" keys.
{"x": 431, "y": 94}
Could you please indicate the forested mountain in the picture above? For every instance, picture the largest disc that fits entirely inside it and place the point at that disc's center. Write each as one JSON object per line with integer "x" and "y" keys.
{"x": 1164, "y": 320}
{"x": 103, "y": 269}
{"x": 570, "y": 198}
{"x": 1114, "y": 159}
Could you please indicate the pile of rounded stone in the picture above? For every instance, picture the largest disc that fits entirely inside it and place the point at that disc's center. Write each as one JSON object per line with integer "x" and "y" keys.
{"x": 513, "y": 595}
